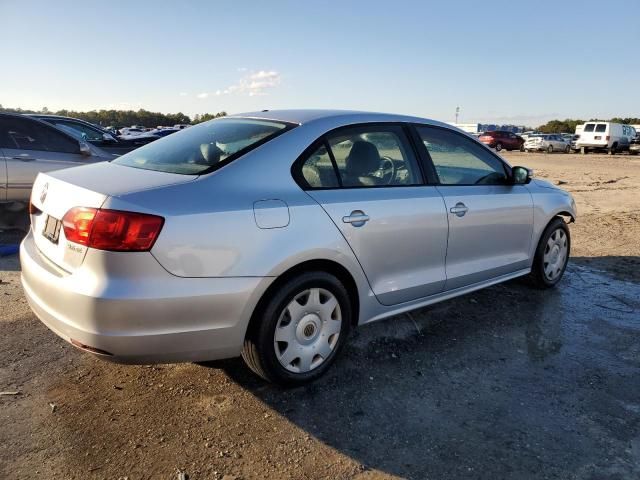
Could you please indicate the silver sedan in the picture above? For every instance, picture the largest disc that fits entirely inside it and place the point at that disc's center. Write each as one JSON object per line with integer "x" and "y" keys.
{"x": 270, "y": 235}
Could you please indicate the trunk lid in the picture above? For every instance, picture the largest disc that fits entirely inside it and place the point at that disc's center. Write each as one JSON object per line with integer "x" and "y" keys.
{"x": 55, "y": 193}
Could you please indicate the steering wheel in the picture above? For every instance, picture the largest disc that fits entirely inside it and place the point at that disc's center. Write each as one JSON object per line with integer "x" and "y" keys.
{"x": 387, "y": 169}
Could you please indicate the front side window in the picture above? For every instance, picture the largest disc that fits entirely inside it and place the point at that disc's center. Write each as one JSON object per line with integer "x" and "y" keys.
{"x": 601, "y": 127}
{"x": 204, "y": 147}
{"x": 374, "y": 156}
{"x": 459, "y": 160}
{"x": 86, "y": 133}
{"x": 589, "y": 127}
{"x": 23, "y": 134}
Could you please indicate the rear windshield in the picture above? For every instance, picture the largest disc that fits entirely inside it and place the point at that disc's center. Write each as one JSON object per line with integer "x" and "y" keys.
{"x": 601, "y": 127}
{"x": 203, "y": 148}
{"x": 589, "y": 127}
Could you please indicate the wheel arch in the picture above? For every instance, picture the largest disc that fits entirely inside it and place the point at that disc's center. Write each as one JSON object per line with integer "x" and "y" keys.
{"x": 321, "y": 265}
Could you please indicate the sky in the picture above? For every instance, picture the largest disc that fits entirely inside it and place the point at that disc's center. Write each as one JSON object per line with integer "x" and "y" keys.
{"x": 521, "y": 62}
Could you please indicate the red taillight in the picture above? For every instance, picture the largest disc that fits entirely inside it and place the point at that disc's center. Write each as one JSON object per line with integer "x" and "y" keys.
{"x": 608, "y": 137}
{"x": 111, "y": 229}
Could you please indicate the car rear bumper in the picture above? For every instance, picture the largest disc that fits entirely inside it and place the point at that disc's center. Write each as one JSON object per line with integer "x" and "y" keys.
{"x": 135, "y": 312}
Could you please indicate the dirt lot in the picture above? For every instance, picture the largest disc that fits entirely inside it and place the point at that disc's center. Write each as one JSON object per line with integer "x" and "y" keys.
{"x": 508, "y": 382}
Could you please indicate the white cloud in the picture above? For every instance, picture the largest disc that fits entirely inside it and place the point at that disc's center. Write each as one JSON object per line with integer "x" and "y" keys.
{"x": 255, "y": 83}
{"x": 183, "y": 94}
{"x": 252, "y": 84}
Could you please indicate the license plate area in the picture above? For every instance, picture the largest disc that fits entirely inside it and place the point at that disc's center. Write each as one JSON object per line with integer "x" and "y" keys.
{"x": 51, "y": 229}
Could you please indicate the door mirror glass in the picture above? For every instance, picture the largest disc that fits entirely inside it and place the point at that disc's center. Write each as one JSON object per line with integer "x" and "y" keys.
{"x": 85, "y": 149}
{"x": 521, "y": 175}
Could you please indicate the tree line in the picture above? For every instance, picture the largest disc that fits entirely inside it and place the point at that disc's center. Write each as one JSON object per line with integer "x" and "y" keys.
{"x": 125, "y": 118}
{"x": 569, "y": 125}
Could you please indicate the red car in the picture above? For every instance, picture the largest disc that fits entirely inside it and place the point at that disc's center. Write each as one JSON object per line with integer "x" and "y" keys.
{"x": 500, "y": 139}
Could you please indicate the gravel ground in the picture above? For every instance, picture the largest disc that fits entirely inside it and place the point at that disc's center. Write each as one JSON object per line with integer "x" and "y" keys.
{"x": 508, "y": 382}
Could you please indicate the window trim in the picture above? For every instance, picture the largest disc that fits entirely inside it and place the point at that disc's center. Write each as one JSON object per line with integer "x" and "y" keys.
{"x": 404, "y": 127}
{"x": 427, "y": 158}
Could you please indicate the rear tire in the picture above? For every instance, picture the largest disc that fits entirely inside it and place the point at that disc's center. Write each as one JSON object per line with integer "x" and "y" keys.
{"x": 613, "y": 149}
{"x": 498, "y": 147}
{"x": 305, "y": 324}
{"x": 568, "y": 149}
{"x": 550, "y": 149}
{"x": 522, "y": 148}
{"x": 552, "y": 255}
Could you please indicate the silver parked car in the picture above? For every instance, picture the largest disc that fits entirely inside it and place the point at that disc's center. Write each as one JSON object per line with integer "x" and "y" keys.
{"x": 29, "y": 146}
{"x": 547, "y": 143}
{"x": 270, "y": 235}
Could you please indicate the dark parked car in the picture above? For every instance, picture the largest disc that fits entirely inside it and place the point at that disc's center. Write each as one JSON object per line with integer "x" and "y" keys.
{"x": 500, "y": 139}
{"x": 29, "y": 146}
{"x": 96, "y": 135}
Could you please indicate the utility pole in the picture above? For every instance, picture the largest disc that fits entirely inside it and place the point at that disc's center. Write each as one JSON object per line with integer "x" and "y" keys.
{"x": 457, "y": 113}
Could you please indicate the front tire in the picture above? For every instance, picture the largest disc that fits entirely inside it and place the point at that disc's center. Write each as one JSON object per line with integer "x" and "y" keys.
{"x": 299, "y": 332}
{"x": 552, "y": 255}
{"x": 550, "y": 149}
{"x": 498, "y": 147}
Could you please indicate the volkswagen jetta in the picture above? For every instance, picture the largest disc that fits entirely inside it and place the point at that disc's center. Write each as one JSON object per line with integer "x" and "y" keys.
{"x": 270, "y": 235}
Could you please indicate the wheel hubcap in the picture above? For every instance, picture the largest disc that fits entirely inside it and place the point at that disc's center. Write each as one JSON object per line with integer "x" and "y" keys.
{"x": 555, "y": 255}
{"x": 307, "y": 331}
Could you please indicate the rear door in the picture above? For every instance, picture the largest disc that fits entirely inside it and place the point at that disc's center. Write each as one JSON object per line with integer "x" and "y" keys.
{"x": 369, "y": 182}
{"x": 34, "y": 147}
{"x": 490, "y": 221}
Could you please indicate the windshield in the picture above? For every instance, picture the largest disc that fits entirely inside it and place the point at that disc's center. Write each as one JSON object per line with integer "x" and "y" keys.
{"x": 203, "y": 148}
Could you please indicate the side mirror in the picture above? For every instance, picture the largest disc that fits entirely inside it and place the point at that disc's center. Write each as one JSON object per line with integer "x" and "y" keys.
{"x": 521, "y": 175}
{"x": 107, "y": 137}
{"x": 85, "y": 149}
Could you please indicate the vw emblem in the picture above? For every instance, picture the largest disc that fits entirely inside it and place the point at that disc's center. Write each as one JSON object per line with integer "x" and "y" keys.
{"x": 43, "y": 194}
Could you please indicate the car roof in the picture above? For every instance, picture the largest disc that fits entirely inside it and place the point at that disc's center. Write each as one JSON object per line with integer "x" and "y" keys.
{"x": 304, "y": 116}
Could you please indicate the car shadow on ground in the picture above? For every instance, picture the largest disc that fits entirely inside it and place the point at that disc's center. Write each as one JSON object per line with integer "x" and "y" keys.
{"x": 504, "y": 382}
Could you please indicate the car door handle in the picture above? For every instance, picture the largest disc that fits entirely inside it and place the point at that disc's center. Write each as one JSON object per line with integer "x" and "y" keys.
{"x": 24, "y": 158}
{"x": 460, "y": 209}
{"x": 357, "y": 218}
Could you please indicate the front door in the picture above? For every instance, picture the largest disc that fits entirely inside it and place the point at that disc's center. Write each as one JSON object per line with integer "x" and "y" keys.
{"x": 490, "y": 221}
{"x": 369, "y": 182}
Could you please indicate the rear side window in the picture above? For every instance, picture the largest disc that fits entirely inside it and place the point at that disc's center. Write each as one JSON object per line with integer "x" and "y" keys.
{"x": 589, "y": 127}
{"x": 374, "y": 156}
{"x": 23, "y": 134}
{"x": 601, "y": 127}
{"x": 318, "y": 171}
{"x": 204, "y": 147}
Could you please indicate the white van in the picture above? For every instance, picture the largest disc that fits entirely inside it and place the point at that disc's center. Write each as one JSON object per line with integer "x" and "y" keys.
{"x": 612, "y": 137}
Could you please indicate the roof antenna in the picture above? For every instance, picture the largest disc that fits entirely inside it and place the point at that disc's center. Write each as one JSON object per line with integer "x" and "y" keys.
{"x": 265, "y": 110}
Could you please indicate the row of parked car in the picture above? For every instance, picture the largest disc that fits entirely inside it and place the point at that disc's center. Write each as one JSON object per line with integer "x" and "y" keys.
{"x": 590, "y": 137}
{"x": 527, "y": 142}
{"x": 35, "y": 143}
